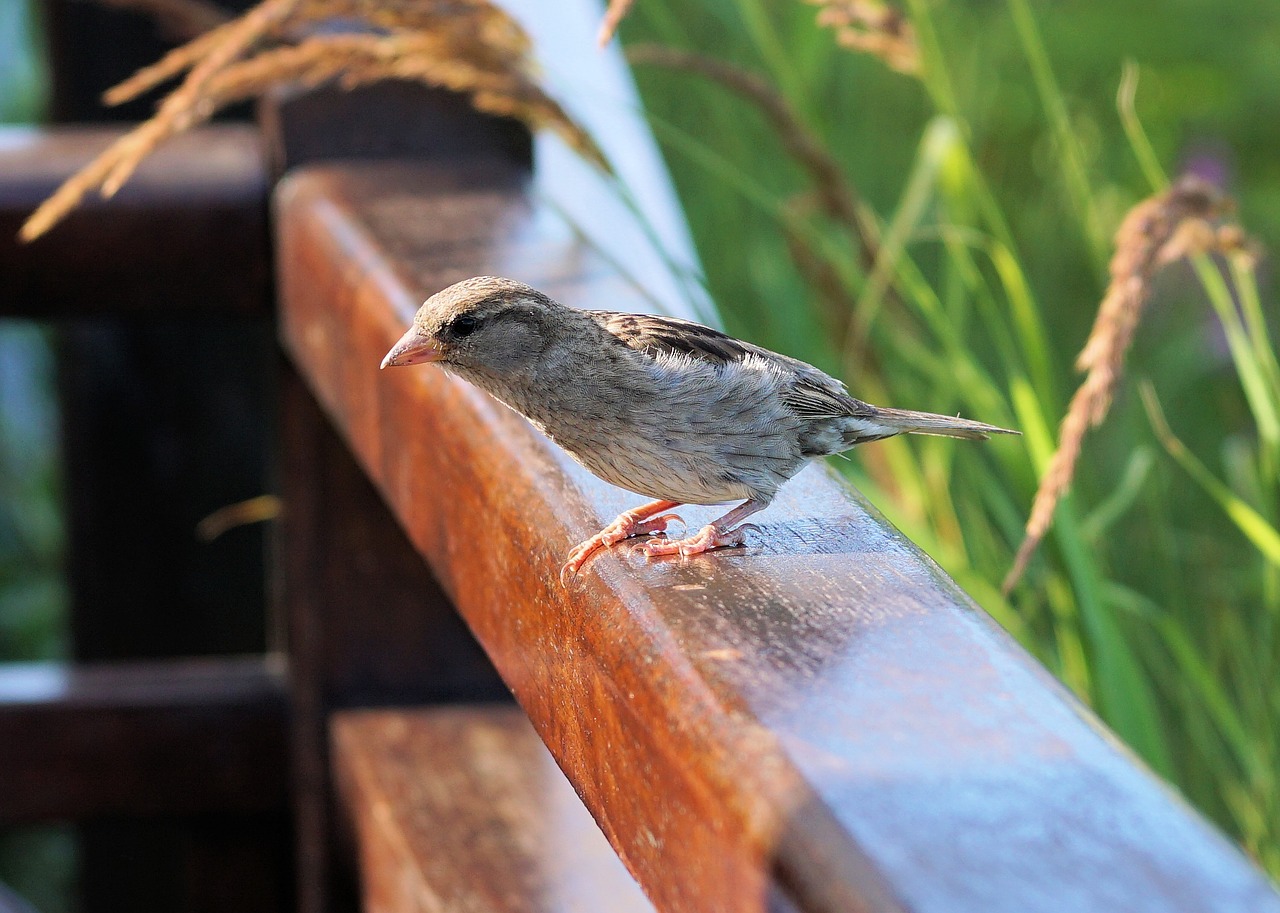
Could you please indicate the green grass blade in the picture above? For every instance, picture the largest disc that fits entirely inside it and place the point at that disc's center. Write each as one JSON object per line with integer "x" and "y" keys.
{"x": 1138, "y": 140}
{"x": 1071, "y": 155}
{"x": 1251, "y": 523}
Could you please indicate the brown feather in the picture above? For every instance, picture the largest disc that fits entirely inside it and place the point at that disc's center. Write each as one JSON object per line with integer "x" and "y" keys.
{"x": 653, "y": 335}
{"x": 814, "y": 394}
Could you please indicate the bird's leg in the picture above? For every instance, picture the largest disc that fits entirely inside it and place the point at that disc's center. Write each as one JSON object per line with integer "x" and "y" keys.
{"x": 722, "y": 533}
{"x": 639, "y": 521}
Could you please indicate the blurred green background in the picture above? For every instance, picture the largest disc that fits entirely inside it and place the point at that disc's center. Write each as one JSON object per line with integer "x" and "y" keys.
{"x": 998, "y": 179}
{"x": 37, "y": 862}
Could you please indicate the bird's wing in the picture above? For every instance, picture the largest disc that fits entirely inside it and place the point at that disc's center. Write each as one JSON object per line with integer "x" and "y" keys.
{"x": 656, "y": 335}
{"x": 812, "y": 395}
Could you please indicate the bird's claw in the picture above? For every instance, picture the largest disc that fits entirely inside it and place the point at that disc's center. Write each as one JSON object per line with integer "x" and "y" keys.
{"x": 658, "y": 525}
{"x": 622, "y": 528}
{"x": 569, "y": 571}
{"x": 578, "y": 558}
{"x": 708, "y": 538}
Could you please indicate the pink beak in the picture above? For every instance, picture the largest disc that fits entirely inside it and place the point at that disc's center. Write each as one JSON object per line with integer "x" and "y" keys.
{"x": 412, "y": 349}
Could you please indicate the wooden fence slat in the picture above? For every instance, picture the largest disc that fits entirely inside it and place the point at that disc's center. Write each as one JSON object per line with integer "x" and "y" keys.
{"x": 160, "y": 737}
{"x": 163, "y": 421}
{"x": 492, "y": 826}
{"x": 824, "y": 712}
{"x": 366, "y": 625}
{"x": 187, "y": 233}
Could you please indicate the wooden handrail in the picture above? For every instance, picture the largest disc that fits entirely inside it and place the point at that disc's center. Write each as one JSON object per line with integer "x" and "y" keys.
{"x": 823, "y": 715}
{"x": 821, "y": 722}
{"x": 187, "y": 234}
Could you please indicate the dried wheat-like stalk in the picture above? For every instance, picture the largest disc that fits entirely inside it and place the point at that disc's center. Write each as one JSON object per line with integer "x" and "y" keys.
{"x": 613, "y": 17}
{"x": 875, "y": 28}
{"x": 469, "y": 46}
{"x": 819, "y": 273}
{"x": 1180, "y": 222}
{"x": 871, "y": 26}
{"x": 833, "y": 194}
{"x": 255, "y": 510}
{"x": 838, "y": 197}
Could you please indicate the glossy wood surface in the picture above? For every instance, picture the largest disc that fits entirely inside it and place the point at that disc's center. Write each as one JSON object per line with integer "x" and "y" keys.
{"x": 162, "y": 737}
{"x": 188, "y": 232}
{"x": 462, "y": 810}
{"x": 823, "y": 713}
{"x": 366, "y": 625}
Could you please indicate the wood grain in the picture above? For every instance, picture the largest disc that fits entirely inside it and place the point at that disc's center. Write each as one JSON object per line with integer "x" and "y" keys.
{"x": 823, "y": 711}
{"x": 188, "y": 233}
{"x": 162, "y": 737}
{"x": 463, "y": 810}
{"x": 366, "y": 625}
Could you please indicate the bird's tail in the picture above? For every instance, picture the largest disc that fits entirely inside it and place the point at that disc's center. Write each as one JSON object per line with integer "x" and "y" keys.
{"x": 904, "y": 420}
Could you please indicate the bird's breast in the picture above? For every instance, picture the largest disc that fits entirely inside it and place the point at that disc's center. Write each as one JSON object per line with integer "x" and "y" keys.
{"x": 664, "y": 408}
{"x": 673, "y": 430}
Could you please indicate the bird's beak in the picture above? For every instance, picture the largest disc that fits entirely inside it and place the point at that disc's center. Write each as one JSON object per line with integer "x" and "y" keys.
{"x": 413, "y": 348}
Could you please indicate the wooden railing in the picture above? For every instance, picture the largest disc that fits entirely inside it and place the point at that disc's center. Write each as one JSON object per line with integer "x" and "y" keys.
{"x": 825, "y": 715}
{"x": 822, "y": 722}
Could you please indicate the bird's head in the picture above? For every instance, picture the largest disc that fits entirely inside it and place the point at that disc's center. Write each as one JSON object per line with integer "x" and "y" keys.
{"x": 486, "y": 325}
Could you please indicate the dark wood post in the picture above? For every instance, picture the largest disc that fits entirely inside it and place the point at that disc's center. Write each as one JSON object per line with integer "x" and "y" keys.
{"x": 164, "y": 421}
{"x": 366, "y": 624}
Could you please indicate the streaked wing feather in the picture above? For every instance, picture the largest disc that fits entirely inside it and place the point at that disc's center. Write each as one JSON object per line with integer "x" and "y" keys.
{"x": 654, "y": 335}
{"x": 815, "y": 395}
{"x": 818, "y": 401}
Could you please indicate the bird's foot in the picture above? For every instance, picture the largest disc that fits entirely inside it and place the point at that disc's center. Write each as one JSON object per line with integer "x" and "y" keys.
{"x": 706, "y": 539}
{"x": 627, "y": 526}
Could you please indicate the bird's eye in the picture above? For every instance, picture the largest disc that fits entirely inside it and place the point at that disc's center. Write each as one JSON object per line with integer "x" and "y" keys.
{"x": 464, "y": 326}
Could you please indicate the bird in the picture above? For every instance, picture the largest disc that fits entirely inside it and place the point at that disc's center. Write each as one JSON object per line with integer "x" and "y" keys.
{"x": 667, "y": 408}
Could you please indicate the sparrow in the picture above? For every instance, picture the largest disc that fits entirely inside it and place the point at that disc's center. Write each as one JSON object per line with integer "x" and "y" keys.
{"x": 670, "y": 409}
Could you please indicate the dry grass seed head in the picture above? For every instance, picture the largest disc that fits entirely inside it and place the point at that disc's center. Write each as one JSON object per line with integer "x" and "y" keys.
{"x": 1177, "y": 223}
{"x": 833, "y": 189}
{"x": 613, "y": 17}
{"x": 469, "y": 46}
{"x": 872, "y": 27}
{"x": 834, "y": 193}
